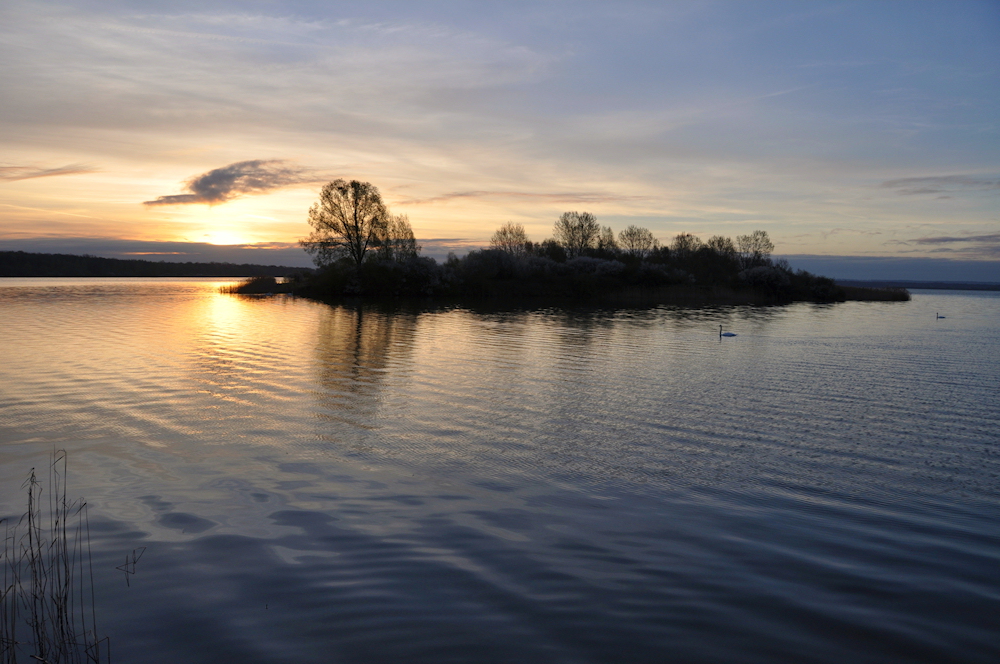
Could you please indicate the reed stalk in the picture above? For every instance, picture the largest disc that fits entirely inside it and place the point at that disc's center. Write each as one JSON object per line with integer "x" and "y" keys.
{"x": 47, "y": 605}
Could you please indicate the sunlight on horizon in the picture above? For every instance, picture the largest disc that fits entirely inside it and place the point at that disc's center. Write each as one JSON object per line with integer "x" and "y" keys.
{"x": 226, "y": 238}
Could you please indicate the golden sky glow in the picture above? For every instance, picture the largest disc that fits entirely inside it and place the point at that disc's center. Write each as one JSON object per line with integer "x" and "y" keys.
{"x": 841, "y": 128}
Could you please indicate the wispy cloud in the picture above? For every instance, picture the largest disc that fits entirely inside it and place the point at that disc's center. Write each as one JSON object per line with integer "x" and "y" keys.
{"x": 562, "y": 197}
{"x": 941, "y": 184}
{"x": 243, "y": 177}
{"x": 37, "y": 209}
{"x": 848, "y": 231}
{"x": 967, "y": 246}
{"x": 14, "y": 173}
{"x": 992, "y": 238}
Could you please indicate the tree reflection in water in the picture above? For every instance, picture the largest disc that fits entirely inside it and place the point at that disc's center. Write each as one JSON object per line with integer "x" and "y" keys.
{"x": 356, "y": 348}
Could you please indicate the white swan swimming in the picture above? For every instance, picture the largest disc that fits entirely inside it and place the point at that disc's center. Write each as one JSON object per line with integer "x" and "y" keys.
{"x": 726, "y": 334}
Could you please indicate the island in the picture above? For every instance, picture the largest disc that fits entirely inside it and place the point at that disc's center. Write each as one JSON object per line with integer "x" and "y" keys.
{"x": 363, "y": 251}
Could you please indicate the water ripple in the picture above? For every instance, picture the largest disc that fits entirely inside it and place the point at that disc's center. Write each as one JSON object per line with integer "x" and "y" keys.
{"x": 369, "y": 484}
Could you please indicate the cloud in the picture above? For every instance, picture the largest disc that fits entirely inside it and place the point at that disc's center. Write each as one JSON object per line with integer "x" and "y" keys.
{"x": 848, "y": 231}
{"x": 15, "y": 173}
{"x": 971, "y": 246}
{"x": 243, "y": 177}
{"x": 992, "y": 238}
{"x": 940, "y": 184}
{"x": 566, "y": 197}
{"x": 59, "y": 212}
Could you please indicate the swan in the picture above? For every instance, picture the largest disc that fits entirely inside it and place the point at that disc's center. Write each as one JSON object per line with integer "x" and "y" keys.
{"x": 726, "y": 334}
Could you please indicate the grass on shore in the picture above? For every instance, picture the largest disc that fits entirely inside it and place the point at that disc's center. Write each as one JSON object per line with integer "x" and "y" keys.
{"x": 47, "y": 608}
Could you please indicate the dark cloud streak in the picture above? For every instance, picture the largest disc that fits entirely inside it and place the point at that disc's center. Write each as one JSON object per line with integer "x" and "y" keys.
{"x": 969, "y": 246}
{"x": 993, "y": 238}
{"x": 243, "y": 177}
{"x": 568, "y": 197}
{"x": 15, "y": 173}
{"x": 940, "y": 184}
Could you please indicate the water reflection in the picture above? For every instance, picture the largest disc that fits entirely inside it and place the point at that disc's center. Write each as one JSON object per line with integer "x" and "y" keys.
{"x": 355, "y": 349}
{"x": 371, "y": 484}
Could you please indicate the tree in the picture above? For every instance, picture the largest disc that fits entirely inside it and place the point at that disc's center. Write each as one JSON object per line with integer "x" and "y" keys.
{"x": 754, "y": 250}
{"x": 637, "y": 242}
{"x": 721, "y": 245}
{"x": 549, "y": 248}
{"x": 606, "y": 242}
{"x": 577, "y": 232}
{"x": 348, "y": 220}
{"x": 511, "y": 238}
{"x": 685, "y": 244}
{"x": 396, "y": 243}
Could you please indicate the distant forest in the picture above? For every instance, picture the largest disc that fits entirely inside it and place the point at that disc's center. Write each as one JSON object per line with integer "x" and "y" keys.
{"x": 26, "y": 264}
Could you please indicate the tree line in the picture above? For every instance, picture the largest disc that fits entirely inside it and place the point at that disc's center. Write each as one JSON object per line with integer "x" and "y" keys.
{"x": 578, "y": 234}
{"x": 29, "y": 264}
{"x": 362, "y": 249}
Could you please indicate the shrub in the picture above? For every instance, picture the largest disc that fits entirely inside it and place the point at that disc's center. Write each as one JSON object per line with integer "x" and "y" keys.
{"x": 595, "y": 266}
{"x": 766, "y": 278}
{"x": 253, "y": 286}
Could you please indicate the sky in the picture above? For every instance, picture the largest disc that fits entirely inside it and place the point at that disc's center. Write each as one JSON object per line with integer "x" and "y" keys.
{"x": 868, "y": 130}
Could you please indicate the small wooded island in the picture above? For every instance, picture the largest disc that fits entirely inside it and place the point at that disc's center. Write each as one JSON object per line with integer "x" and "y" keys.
{"x": 363, "y": 251}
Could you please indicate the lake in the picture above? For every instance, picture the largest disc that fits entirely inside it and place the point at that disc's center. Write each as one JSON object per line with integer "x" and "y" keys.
{"x": 371, "y": 484}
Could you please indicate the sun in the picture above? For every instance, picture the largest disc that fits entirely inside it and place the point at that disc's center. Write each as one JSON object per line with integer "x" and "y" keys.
{"x": 224, "y": 237}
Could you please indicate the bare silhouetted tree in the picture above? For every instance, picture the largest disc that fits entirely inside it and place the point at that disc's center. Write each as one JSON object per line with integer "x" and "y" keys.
{"x": 396, "y": 243}
{"x": 685, "y": 244}
{"x": 754, "y": 250}
{"x": 511, "y": 238}
{"x": 721, "y": 245}
{"x": 636, "y": 241}
{"x": 577, "y": 232}
{"x": 349, "y": 219}
{"x": 606, "y": 241}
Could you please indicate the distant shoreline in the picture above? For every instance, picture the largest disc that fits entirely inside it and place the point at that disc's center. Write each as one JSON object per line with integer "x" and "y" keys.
{"x": 919, "y": 285}
{"x": 26, "y": 264}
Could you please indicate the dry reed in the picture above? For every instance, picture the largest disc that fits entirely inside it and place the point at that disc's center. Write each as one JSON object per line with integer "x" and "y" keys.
{"x": 47, "y": 606}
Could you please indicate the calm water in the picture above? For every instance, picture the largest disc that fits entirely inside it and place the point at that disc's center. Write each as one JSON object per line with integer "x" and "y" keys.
{"x": 321, "y": 484}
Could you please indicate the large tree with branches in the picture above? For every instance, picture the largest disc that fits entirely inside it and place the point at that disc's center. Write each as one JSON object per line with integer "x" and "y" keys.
{"x": 511, "y": 238}
{"x": 638, "y": 242}
{"x": 754, "y": 250}
{"x": 348, "y": 220}
{"x": 577, "y": 232}
{"x": 397, "y": 243}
